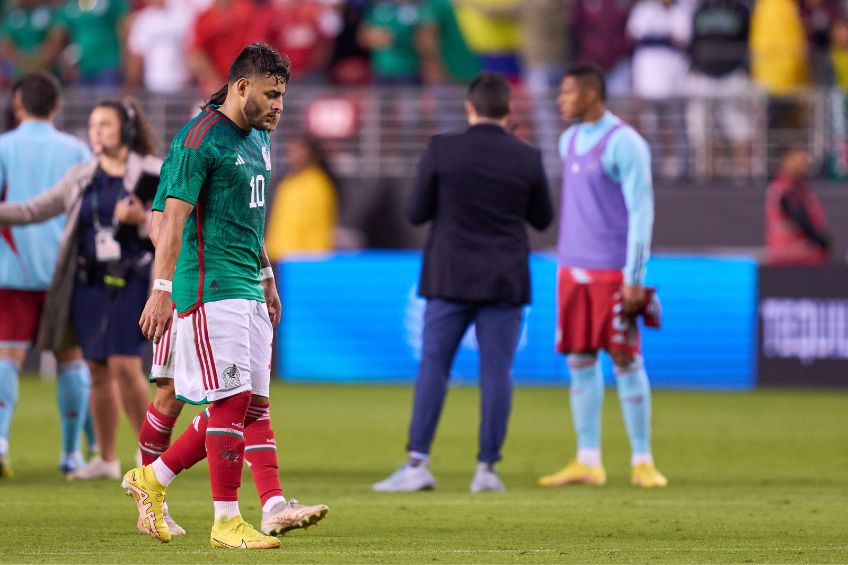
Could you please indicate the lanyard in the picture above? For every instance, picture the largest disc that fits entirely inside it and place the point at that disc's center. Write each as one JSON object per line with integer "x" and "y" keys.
{"x": 95, "y": 201}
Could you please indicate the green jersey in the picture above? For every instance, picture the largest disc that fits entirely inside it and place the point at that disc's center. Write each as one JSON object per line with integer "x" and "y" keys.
{"x": 27, "y": 28}
{"x": 93, "y": 27}
{"x": 222, "y": 170}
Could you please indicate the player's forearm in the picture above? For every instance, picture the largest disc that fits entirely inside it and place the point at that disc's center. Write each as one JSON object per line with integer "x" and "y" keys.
{"x": 170, "y": 238}
{"x": 155, "y": 224}
{"x": 168, "y": 246}
{"x": 640, "y": 226}
{"x": 264, "y": 261}
{"x": 634, "y": 161}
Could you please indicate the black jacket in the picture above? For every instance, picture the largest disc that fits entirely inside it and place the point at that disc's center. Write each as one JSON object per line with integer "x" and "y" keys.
{"x": 478, "y": 188}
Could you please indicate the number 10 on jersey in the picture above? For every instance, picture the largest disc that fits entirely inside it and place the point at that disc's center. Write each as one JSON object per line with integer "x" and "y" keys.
{"x": 257, "y": 191}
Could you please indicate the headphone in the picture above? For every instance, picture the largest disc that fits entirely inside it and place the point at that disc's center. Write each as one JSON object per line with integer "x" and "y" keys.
{"x": 128, "y": 125}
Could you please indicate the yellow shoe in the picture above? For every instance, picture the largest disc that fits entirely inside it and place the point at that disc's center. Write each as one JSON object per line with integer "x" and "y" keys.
{"x": 235, "y": 533}
{"x": 149, "y": 495}
{"x": 645, "y": 475}
{"x": 576, "y": 473}
{"x": 5, "y": 469}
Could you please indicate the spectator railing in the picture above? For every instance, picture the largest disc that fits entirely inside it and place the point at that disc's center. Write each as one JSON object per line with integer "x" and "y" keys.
{"x": 380, "y": 132}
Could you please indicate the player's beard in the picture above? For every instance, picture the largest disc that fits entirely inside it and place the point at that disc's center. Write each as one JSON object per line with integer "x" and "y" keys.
{"x": 256, "y": 116}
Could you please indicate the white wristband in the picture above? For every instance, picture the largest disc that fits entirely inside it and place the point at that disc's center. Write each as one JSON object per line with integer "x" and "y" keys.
{"x": 162, "y": 284}
{"x": 266, "y": 273}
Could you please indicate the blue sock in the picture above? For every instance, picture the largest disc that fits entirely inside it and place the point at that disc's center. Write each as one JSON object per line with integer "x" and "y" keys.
{"x": 8, "y": 396}
{"x": 73, "y": 392}
{"x": 90, "y": 438}
{"x": 587, "y": 397}
{"x": 634, "y": 392}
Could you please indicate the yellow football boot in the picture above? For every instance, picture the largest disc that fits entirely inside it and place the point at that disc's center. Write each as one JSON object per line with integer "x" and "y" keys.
{"x": 645, "y": 475}
{"x": 576, "y": 473}
{"x": 235, "y": 533}
{"x": 5, "y": 469}
{"x": 149, "y": 495}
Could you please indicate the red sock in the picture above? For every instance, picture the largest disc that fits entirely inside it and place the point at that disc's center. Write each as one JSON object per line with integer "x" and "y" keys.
{"x": 155, "y": 435}
{"x": 190, "y": 447}
{"x": 261, "y": 452}
{"x": 225, "y": 445}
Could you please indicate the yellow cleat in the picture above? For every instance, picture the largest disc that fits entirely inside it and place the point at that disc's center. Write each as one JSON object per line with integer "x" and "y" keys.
{"x": 576, "y": 473}
{"x": 5, "y": 469}
{"x": 149, "y": 495}
{"x": 645, "y": 475}
{"x": 235, "y": 533}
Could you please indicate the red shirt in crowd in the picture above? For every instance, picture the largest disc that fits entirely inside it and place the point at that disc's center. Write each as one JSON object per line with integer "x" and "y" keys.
{"x": 302, "y": 30}
{"x": 224, "y": 29}
{"x": 795, "y": 224}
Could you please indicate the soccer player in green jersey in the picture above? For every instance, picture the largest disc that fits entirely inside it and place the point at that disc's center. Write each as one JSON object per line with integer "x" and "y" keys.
{"x": 210, "y": 246}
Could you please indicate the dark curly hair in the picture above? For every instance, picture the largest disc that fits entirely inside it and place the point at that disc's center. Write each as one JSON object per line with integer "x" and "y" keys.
{"x": 257, "y": 59}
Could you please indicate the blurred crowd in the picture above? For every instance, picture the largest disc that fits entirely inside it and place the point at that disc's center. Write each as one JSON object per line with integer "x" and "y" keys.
{"x": 653, "y": 49}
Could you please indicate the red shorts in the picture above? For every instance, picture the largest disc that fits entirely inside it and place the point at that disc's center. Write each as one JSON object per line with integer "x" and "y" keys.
{"x": 589, "y": 313}
{"x": 21, "y": 315}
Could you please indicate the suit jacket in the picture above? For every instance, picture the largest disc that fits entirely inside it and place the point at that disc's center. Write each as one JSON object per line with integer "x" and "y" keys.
{"x": 478, "y": 188}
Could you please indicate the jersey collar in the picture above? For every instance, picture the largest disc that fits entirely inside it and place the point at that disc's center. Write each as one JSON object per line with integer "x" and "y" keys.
{"x": 229, "y": 122}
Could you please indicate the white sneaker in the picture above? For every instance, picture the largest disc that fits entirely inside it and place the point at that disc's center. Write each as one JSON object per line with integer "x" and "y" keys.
{"x": 97, "y": 468}
{"x": 407, "y": 479}
{"x": 486, "y": 480}
{"x": 290, "y": 515}
{"x": 70, "y": 462}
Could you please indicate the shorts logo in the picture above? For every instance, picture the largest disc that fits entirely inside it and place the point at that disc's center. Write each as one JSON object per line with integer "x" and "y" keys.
{"x": 231, "y": 377}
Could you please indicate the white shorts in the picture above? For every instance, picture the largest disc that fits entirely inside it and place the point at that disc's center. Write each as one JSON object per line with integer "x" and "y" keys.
{"x": 223, "y": 348}
{"x": 727, "y": 101}
{"x": 164, "y": 353}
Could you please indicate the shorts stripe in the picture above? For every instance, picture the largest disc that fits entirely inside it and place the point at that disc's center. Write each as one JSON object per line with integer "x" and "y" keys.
{"x": 208, "y": 344}
{"x": 160, "y": 356}
{"x": 164, "y": 361}
{"x": 200, "y": 357}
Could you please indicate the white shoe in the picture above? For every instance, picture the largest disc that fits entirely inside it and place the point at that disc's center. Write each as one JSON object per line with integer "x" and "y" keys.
{"x": 486, "y": 480}
{"x": 407, "y": 479}
{"x": 70, "y": 462}
{"x": 290, "y": 515}
{"x": 97, "y": 468}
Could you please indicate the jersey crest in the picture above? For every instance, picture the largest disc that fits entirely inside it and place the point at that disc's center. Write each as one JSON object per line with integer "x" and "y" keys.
{"x": 231, "y": 377}
{"x": 266, "y": 154}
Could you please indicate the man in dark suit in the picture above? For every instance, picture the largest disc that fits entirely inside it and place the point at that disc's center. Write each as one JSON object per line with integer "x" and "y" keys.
{"x": 478, "y": 188}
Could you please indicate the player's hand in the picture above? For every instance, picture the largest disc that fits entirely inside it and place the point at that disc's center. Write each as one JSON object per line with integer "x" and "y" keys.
{"x": 272, "y": 301}
{"x": 130, "y": 211}
{"x": 632, "y": 298}
{"x": 156, "y": 316}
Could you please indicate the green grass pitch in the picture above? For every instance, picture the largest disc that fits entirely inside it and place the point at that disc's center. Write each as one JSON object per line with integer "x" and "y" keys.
{"x": 757, "y": 477}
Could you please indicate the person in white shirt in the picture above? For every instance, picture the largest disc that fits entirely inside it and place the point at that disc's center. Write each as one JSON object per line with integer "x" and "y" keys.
{"x": 661, "y": 30}
{"x": 156, "y": 45}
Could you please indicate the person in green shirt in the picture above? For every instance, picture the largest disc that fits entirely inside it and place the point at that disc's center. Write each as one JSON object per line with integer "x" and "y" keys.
{"x": 93, "y": 28}
{"x": 29, "y": 38}
{"x": 211, "y": 260}
{"x": 446, "y": 55}
{"x": 389, "y": 30}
